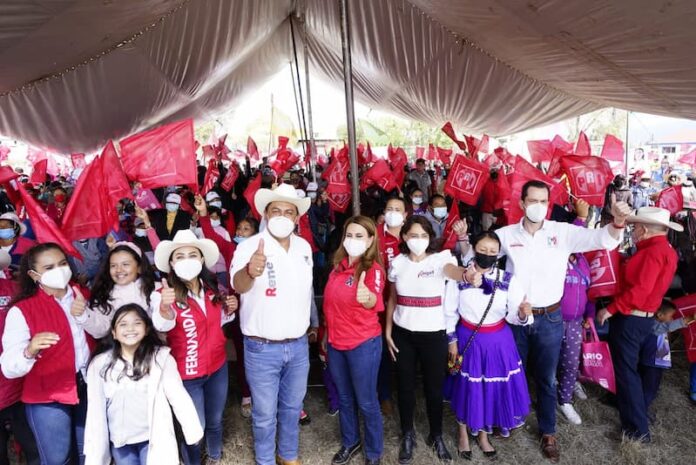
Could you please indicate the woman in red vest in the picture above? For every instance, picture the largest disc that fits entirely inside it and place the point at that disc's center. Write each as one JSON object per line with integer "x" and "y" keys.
{"x": 191, "y": 311}
{"x": 45, "y": 344}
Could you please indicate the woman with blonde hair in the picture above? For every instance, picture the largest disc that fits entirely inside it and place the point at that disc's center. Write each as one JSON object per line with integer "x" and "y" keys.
{"x": 352, "y": 301}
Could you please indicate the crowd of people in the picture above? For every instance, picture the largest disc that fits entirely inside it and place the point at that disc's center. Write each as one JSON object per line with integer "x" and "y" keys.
{"x": 121, "y": 354}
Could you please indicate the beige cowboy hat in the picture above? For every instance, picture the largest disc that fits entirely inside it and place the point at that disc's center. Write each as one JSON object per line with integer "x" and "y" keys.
{"x": 185, "y": 238}
{"x": 654, "y": 215}
{"x": 282, "y": 193}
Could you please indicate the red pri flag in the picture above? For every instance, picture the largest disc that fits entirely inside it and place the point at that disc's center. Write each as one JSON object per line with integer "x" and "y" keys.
{"x": 449, "y": 237}
{"x": 78, "y": 161}
{"x": 605, "y": 274}
{"x": 339, "y": 196}
{"x": 252, "y": 150}
{"x": 4, "y": 152}
{"x": 612, "y": 149}
{"x": 445, "y": 155}
{"x": 116, "y": 181}
{"x": 449, "y": 130}
{"x": 212, "y": 175}
{"x": 540, "y": 150}
{"x": 525, "y": 171}
{"x": 671, "y": 199}
{"x": 686, "y": 306}
{"x": 230, "y": 178}
{"x": 432, "y": 153}
{"x": 250, "y": 192}
{"x": 380, "y": 174}
{"x": 560, "y": 143}
{"x": 466, "y": 179}
{"x": 160, "y": 157}
{"x": 555, "y": 168}
{"x": 38, "y": 176}
{"x": 420, "y": 152}
{"x": 44, "y": 227}
{"x": 398, "y": 161}
{"x": 588, "y": 176}
{"x": 90, "y": 212}
{"x": 582, "y": 147}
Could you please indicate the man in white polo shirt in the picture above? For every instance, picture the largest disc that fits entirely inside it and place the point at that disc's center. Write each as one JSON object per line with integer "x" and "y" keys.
{"x": 537, "y": 254}
{"x": 272, "y": 271}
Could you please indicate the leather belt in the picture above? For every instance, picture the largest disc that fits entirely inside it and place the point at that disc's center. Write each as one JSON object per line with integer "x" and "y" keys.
{"x": 641, "y": 314}
{"x": 271, "y": 341}
{"x": 536, "y": 311}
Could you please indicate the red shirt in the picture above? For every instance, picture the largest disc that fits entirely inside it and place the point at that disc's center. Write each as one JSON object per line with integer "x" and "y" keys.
{"x": 349, "y": 323}
{"x": 646, "y": 277}
{"x": 388, "y": 245}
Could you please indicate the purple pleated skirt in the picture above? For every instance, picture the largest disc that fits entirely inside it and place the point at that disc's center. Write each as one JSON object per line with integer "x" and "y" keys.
{"x": 490, "y": 391}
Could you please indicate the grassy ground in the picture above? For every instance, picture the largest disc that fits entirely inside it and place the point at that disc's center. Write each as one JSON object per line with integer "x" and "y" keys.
{"x": 592, "y": 443}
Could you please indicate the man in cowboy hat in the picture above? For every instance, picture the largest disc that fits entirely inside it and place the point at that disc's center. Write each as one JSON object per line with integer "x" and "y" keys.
{"x": 272, "y": 271}
{"x": 646, "y": 278}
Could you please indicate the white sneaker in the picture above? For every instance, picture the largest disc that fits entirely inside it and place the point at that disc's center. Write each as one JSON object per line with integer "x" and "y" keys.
{"x": 579, "y": 391}
{"x": 571, "y": 415}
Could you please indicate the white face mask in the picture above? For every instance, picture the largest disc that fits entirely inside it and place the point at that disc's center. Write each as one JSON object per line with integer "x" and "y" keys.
{"x": 394, "y": 219}
{"x": 417, "y": 200}
{"x": 215, "y": 223}
{"x": 354, "y": 247}
{"x": 56, "y": 278}
{"x": 172, "y": 207}
{"x": 188, "y": 269}
{"x": 418, "y": 246}
{"x": 536, "y": 212}
{"x": 440, "y": 212}
{"x": 644, "y": 184}
{"x": 139, "y": 232}
{"x": 281, "y": 227}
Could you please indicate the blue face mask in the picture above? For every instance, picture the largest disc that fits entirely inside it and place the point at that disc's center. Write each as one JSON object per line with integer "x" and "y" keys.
{"x": 7, "y": 233}
{"x": 239, "y": 239}
{"x": 172, "y": 207}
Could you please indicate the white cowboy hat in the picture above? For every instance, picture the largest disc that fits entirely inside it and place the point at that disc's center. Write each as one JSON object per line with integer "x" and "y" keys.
{"x": 282, "y": 193}
{"x": 9, "y": 216}
{"x": 185, "y": 238}
{"x": 654, "y": 215}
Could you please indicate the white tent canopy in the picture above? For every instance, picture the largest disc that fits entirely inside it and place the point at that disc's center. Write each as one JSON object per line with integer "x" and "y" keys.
{"x": 77, "y": 72}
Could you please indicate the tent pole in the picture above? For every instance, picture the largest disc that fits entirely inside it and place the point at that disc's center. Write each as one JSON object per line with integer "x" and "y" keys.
{"x": 350, "y": 110}
{"x": 310, "y": 126}
{"x": 628, "y": 117}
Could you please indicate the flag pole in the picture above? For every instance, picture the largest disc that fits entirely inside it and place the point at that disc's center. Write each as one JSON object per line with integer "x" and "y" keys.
{"x": 350, "y": 110}
{"x": 310, "y": 127}
{"x": 628, "y": 117}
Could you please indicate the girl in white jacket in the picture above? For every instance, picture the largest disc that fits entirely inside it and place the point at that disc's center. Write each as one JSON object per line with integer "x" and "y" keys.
{"x": 130, "y": 389}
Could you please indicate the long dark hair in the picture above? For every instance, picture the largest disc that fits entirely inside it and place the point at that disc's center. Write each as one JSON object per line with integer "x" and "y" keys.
{"x": 427, "y": 227}
{"x": 208, "y": 278}
{"x": 144, "y": 354}
{"x": 103, "y": 284}
{"x": 27, "y": 286}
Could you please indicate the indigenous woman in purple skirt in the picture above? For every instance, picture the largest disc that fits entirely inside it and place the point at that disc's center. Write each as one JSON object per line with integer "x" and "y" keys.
{"x": 489, "y": 389}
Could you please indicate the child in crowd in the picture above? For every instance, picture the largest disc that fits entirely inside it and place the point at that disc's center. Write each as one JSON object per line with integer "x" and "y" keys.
{"x": 655, "y": 353}
{"x": 133, "y": 387}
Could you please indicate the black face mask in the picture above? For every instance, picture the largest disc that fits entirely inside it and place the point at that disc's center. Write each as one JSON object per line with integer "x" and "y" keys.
{"x": 485, "y": 261}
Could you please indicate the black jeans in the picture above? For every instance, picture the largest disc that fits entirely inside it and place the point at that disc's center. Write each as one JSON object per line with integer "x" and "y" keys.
{"x": 15, "y": 416}
{"x": 430, "y": 349}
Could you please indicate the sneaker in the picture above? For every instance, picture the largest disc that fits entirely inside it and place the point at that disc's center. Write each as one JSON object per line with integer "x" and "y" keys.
{"x": 570, "y": 414}
{"x": 246, "y": 407}
{"x": 579, "y": 391}
{"x": 304, "y": 418}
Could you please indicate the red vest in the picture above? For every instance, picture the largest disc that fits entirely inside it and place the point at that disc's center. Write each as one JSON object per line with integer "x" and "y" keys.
{"x": 52, "y": 378}
{"x": 10, "y": 389}
{"x": 197, "y": 341}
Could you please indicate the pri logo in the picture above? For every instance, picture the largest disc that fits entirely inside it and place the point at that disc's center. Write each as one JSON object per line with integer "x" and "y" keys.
{"x": 466, "y": 179}
{"x": 588, "y": 182}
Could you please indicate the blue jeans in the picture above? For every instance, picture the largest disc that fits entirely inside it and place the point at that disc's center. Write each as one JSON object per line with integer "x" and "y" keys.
{"x": 209, "y": 395}
{"x": 355, "y": 374}
{"x": 277, "y": 377}
{"x": 59, "y": 430}
{"x": 385, "y": 372}
{"x": 130, "y": 454}
{"x": 626, "y": 336}
{"x": 539, "y": 346}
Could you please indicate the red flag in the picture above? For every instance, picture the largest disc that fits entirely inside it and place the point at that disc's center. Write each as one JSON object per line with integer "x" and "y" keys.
{"x": 449, "y": 237}
{"x": 560, "y": 143}
{"x": 7, "y": 174}
{"x": 117, "y": 184}
{"x": 4, "y": 152}
{"x": 304, "y": 230}
{"x": 466, "y": 179}
{"x": 492, "y": 161}
{"x": 145, "y": 199}
{"x": 420, "y": 152}
{"x": 231, "y": 177}
{"x": 160, "y": 157}
{"x": 588, "y": 176}
{"x": 250, "y": 192}
{"x": 612, "y": 149}
{"x": 505, "y": 156}
{"x": 398, "y": 161}
{"x": 445, "y": 155}
{"x": 540, "y": 150}
{"x": 432, "y": 153}
{"x": 380, "y": 174}
{"x": 583, "y": 147}
{"x": 44, "y": 227}
{"x": 671, "y": 199}
{"x": 38, "y": 176}
{"x": 337, "y": 171}
{"x": 503, "y": 191}
{"x": 212, "y": 175}
{"x": 605, "y": 276}
{"x": 689, "y": 159}
{"x": 449, "y": 130}
{"x": 90, "y": 211}
{"x": 555, "y": 168}
{"x": 477, "y": 145}
{"x": 252, "y": 150}
{"x": 78, "y": 160}
{"x": 371, "y": 158}
{"x": 34, "y": 155}
{"x": 339, "y": 195}
{"x": 525, "y": 171}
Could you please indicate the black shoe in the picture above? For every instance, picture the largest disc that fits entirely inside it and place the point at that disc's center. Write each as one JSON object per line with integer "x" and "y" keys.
{"x": 372, "y": 461}
{"x": 344, "y": 455}
{"x": 408, "y": 443}
{"x": 438, "y": 445}
{"x": 491, "y": 453}
{"x": 464, "y": 454}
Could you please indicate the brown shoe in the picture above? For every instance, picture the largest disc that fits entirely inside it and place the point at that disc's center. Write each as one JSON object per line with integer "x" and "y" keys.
{"x": 387, "y": 407}
{"x": 549, "y": 448}
{"x": 280, "y": 461}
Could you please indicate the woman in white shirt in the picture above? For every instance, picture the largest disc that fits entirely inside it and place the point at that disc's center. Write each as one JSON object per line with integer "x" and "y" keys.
{"x": 489, "y": 390}
{"x": 415, "y": 328}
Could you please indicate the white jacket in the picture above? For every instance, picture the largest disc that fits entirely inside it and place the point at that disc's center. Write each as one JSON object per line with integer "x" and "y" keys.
{"x": 164, "y": 389}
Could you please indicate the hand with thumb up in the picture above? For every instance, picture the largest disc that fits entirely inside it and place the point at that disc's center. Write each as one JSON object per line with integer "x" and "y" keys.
{"x": 79, "y": 303}
{"x": 168, "y": 298}
{"x": 363, "y": 294}
{"x": 525, "y": 309}
{"x": 257, "y": 263}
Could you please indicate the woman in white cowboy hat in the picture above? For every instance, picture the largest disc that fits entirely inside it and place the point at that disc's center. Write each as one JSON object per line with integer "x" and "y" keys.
{"x": 190, "y": 310}
{"x": 12, "y": 238}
